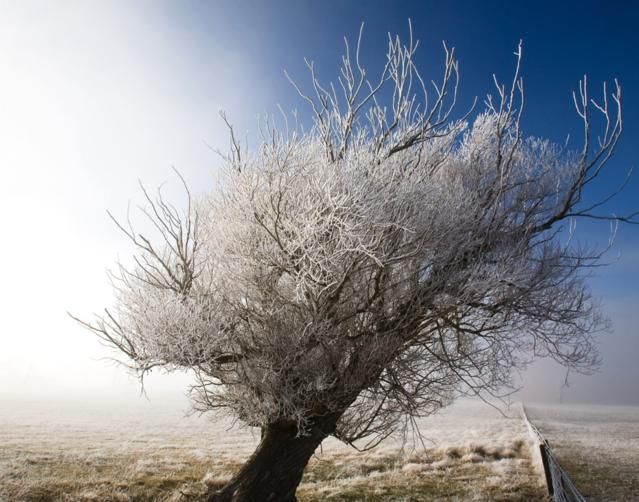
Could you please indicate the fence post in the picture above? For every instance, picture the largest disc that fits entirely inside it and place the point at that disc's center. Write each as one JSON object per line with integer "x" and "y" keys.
{"x": 546, "y": 464}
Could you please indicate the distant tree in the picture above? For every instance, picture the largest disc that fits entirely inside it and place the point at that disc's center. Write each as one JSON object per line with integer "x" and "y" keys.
{"x": 347, "y": 279}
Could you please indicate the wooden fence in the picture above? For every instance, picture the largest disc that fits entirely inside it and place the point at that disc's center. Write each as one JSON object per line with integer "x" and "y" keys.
{"x": 560, "y": 486}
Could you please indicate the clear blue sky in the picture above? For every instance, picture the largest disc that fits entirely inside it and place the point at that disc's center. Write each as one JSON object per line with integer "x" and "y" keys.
{"x": 97, "y": 94}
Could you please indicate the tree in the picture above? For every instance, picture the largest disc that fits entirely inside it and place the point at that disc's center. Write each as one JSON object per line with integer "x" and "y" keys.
{"x": 347, "y": 279}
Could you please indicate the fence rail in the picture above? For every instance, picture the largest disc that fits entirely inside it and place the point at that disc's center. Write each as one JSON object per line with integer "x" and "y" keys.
{"x": 560, "y": 487}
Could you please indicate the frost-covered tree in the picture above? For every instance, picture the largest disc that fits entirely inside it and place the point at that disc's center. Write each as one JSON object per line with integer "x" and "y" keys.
{"x": 347, "y": 279}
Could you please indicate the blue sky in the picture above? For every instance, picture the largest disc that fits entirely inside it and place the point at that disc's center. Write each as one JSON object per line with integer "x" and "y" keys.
{"x": 95, "y": 95}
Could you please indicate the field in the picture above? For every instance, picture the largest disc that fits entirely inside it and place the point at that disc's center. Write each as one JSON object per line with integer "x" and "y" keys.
{"x": 597, "y": 445}
{"x": 149, "y": 452}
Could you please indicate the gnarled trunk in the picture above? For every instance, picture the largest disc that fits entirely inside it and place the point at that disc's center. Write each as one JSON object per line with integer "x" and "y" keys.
{"x": 275, "y": 469}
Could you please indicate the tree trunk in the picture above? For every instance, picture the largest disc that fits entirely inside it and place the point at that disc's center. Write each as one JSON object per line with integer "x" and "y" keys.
{"x": 275, "y": 469}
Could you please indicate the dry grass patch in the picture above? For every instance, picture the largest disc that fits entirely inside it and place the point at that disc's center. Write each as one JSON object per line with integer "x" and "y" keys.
{"x": 472, "y": 472}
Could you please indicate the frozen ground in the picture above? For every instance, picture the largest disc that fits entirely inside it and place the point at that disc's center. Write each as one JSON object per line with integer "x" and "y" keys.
{"x": 597, "y": 445}
{"x": 50, "y": 451}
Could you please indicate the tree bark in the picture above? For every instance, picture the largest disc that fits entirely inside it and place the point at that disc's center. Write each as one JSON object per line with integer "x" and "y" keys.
{"x": 275, "y": 469}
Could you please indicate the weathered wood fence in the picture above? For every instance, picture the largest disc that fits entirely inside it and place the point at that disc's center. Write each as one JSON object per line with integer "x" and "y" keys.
{"x": 560, "y": 486}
